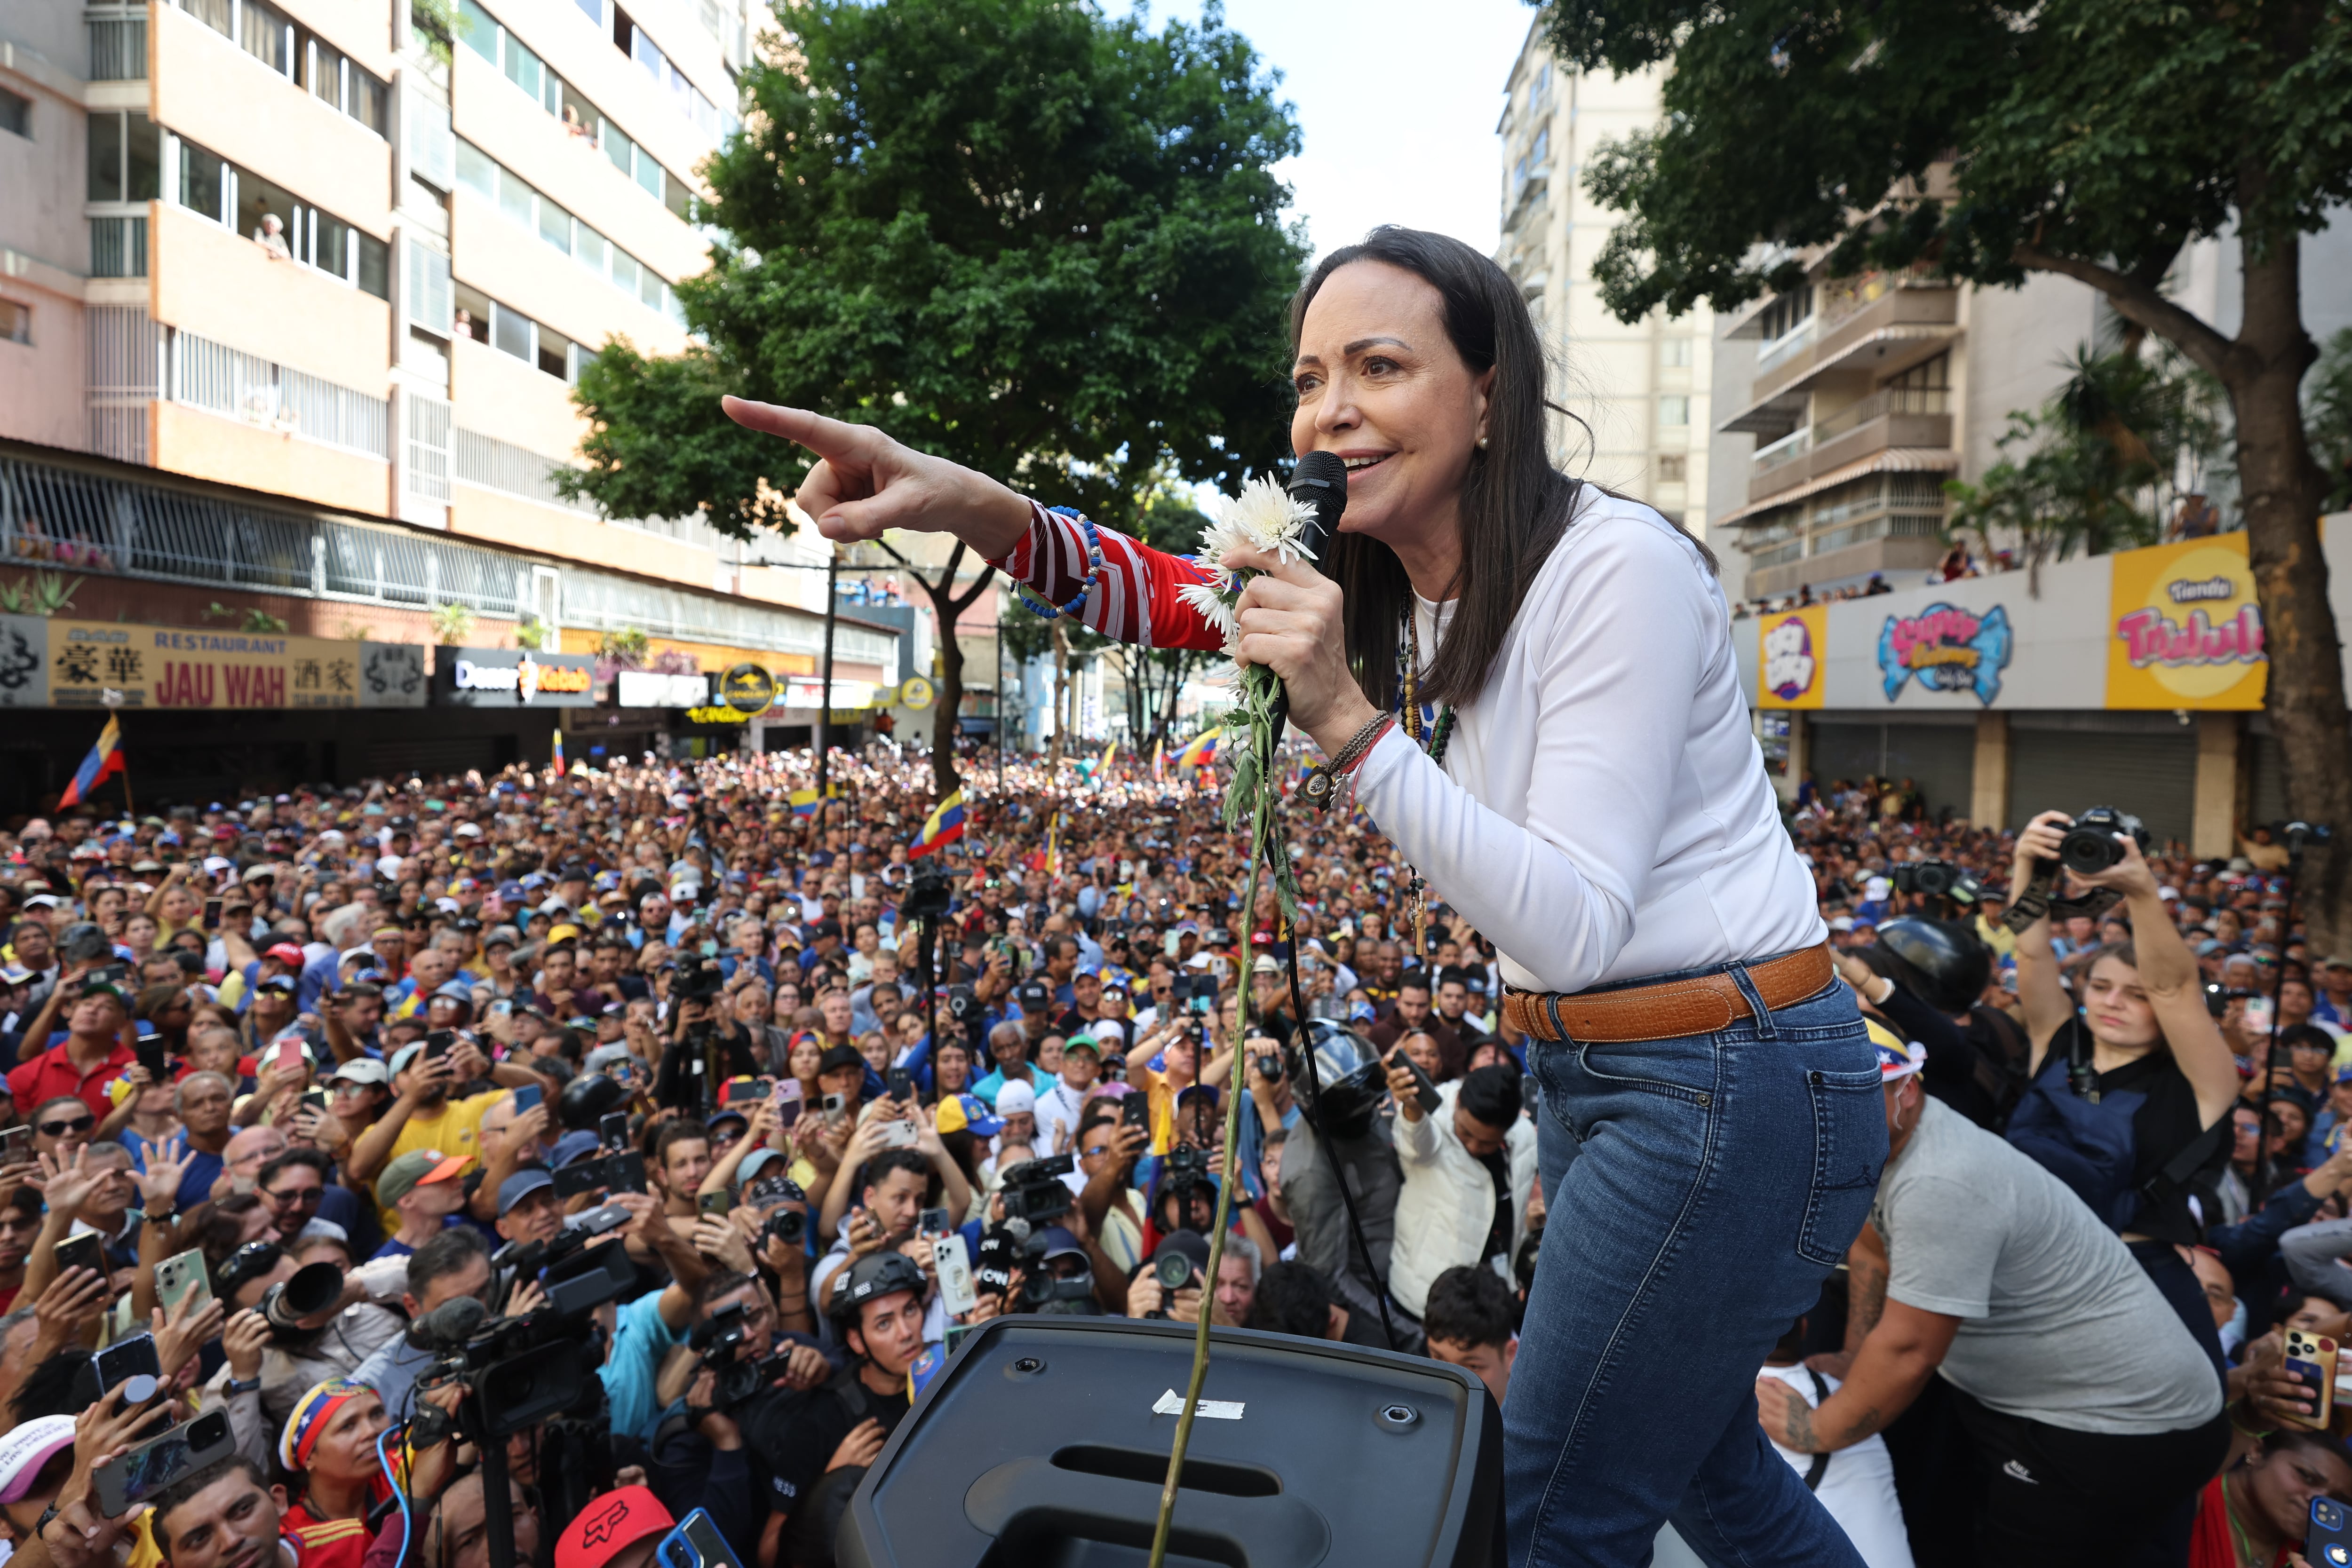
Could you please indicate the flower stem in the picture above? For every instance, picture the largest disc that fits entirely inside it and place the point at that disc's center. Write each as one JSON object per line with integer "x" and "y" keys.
{"x": 1227, "y": 1178}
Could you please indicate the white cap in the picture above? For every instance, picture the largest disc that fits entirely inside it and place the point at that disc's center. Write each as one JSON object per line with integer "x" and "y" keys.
{"x": 1015, "y": 1098}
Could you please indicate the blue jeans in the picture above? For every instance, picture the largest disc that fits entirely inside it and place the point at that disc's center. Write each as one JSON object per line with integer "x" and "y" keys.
{"x": 1698, "y": 1190}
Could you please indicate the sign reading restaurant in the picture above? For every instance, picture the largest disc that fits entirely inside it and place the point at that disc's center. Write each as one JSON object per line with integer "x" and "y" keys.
{"x": 49, "y": 663}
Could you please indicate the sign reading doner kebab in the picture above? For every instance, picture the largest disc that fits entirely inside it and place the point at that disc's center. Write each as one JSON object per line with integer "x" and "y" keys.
{"x": 747, "y": 688}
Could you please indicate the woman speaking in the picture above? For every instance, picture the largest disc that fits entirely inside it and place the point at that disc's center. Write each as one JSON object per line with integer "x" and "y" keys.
{"x": 1531, "y": 683}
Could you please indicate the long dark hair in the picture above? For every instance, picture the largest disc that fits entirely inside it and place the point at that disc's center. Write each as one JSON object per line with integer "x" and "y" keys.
{"x": 1515, "y": 504}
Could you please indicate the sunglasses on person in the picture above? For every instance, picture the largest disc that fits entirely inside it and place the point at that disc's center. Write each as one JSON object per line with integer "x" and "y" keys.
{"x": 67, "y": 1128}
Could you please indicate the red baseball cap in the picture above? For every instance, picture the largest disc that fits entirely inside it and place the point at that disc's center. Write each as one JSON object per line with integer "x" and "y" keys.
{"x": 286, "y": 953}
{"x": 610, "y": 1525}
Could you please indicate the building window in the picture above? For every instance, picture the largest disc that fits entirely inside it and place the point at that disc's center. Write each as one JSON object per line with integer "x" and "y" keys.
{"x": 1674, "y": 353}
{"x": 555, "y": 354}
{"x": 510, "y": 333}
{"x": 16, "y": 113}
{"x": 1936, "y": 375}
{"x": 1673, "y": 410}
{"x": 15, "y": 322}
{"x": 481, "y": 173}
{"x": 473, "y": 317}
{"x": 126, "y": 157}
{"x": 203, "y": 180}
{"x": 1673, "y": 468}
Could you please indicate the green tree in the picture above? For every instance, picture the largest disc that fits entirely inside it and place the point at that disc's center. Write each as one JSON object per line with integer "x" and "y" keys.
{"x": 1014, "y": 233}
{"x": 2327, "y": 417}
{"x": 2094, "y": 469}
{"x": 1990, "y": 141}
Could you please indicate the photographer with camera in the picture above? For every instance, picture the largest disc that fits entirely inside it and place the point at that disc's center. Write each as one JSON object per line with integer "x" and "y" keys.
{"x": 315, "y": 1321}
{"x": 707, "y": 1044}
{"x": 817, "y": 1449}
{"x": 2129, "y": 1097}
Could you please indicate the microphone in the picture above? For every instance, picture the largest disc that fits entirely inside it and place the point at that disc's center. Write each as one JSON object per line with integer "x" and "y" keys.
{"x": 451, "y": 1324}
{"x": 1320, "y": 481}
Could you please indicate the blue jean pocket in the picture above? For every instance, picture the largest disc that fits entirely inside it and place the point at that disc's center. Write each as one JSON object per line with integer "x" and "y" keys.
{"x": 1849, "y": 1153}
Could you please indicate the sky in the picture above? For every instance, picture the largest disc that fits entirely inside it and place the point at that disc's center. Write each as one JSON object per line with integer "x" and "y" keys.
{"x": 1396, "y": 101}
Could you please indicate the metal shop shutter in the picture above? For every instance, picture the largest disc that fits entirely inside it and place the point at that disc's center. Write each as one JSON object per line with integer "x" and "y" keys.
{"x": 1940, "y": 758}
{"x": 2152, "y": 775}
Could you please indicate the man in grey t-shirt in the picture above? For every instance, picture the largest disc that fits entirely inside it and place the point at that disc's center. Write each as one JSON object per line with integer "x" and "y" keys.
{"x": 2095, "y": 1416}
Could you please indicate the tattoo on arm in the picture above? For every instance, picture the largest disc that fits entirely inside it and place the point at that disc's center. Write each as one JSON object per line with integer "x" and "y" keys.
{"x": 1865, "y": 1296}
{"x": 1800, "y": 1428}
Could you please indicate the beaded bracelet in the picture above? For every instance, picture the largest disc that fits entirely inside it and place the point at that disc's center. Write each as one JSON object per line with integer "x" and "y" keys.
{"x": 1094, "y": 569}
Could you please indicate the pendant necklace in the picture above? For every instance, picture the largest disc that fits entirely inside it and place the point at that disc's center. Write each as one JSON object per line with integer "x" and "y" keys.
{"x": 1431, "y": 737}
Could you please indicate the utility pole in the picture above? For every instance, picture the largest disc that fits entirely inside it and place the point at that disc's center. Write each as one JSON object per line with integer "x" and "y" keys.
{"x": 825, "y": 698}
{"x": 1000, "y": 704}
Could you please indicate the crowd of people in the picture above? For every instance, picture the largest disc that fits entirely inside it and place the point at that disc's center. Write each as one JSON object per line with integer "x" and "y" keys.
{"x": 544, "y": 1157}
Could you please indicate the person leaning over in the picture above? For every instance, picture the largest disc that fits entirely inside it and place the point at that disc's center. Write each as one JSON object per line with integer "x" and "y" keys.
{"x": 2093, "y": 1416}
{"x": 1468, "y": 1169}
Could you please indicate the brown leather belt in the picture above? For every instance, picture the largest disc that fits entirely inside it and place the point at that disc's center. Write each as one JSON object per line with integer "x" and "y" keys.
{"x": 1671, "y": 1009}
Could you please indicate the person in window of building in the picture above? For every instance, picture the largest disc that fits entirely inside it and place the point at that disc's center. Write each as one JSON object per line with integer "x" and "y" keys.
{"x": 271, "y": 236}
{"x": 2142, "y": 1066}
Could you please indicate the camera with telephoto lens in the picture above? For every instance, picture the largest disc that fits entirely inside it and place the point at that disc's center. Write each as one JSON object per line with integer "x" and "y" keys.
{"x": 1034, "y": 1190}
{"x": 2090, "y": 846}
{"x": 1185, "y": 1168}
{"x": 314, "y": 1288}
{"x": 1936, "y": 878}
{"x": 1173, "y": 1271}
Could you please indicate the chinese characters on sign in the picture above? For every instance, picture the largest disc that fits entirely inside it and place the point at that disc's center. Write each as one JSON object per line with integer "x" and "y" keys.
{"x": 93, "y": 663}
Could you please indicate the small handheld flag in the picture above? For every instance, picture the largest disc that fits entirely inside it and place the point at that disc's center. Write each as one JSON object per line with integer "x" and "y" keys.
{"x": 804, "y": 802}
{"x": 104, "y": 762}
{"x": 943, "y": 826}
{"x": 555, "y": 760}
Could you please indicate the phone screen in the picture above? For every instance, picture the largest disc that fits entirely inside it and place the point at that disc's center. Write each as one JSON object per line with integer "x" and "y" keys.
{"x": 128, "y": 1358}
{"x": 16, "y": 1143}
{"x": 528, "y": 1097}
{"x": 81, "y": 1252}
{"x": 124, "y": 1482}
{"x": 696, "y": 1544}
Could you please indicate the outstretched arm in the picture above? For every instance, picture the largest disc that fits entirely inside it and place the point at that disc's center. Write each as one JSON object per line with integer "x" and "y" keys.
{"x": 866, "y": 483}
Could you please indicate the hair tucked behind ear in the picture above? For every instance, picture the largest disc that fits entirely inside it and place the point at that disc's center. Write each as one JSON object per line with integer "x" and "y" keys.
{"x": 1515, "y": 504}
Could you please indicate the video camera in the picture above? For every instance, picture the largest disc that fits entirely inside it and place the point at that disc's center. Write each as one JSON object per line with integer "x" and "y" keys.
{"x": 699, "y": 980}
{"x": 1937, "y": 879}
{"x": 1183, "y": 1169}
{"x": 927, "y": 896}
{"x": 531, "y": 1368}
{"x": 1033, "y": 1191}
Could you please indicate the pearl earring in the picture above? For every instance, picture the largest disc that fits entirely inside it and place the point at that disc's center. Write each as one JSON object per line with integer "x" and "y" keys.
{"x": 1482, "y": 443}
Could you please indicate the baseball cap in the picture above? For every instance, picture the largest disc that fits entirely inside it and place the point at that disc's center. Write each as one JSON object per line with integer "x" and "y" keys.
{"x": 413, "y": 1170}
{"x": 605, "y": 1056}
{"x": 521, "y": 1186}
{"x": 285, "y": 952}
{"x": 609, "y": 1526}
{"x": 1034, "y": 997}
{"x": 1060, "y": 1243}
{"x": 837, "y": 1058}
{"x": 1015, "y": 1098}
{"x": 1084, "y": 1041}
{"x": 1264, "y": 964}
{"x": 27, "y": 1446}
{"x": 575, "y": 1146}
{"x": 1897, "y": 1059}
{"x": 363, "y": 1070}
{"x": 968, "y": 1113}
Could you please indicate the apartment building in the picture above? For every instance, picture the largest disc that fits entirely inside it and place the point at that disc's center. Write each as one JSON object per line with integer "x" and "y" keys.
{"x": 293, "y": 296}
{"x": 1643, "y": 393}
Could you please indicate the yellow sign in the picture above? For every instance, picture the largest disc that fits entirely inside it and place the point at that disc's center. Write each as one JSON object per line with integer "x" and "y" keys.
{"x": 1792, "y": 657}
{"x": 748, "y": 689}
{"x": 2184, "y": 629}
{"x": 112, "y": 663}
{"x": 917, "y": 694}
{"x": 720, "y": 714}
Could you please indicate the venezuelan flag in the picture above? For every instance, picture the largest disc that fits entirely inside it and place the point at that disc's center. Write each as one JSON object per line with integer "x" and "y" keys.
{"x": 1157, "y": 759}
{"x": 1201, "y": 751}
{"x": 555, "y": 760}
{"x": 104, "y": 762}
{"x": 943, "y": 826}
{"x": 804, "y": 802}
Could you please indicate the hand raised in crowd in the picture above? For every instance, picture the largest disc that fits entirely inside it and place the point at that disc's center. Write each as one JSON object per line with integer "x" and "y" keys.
{"x": 68, "y": 1310}
{"x": 179, "y": 1333}
{"x": 243, "y": 1340}
{"x": 426, "y": 1074}
{"x": 319, "y": 1129}
{"x": 67, "y": 1183}
{"x": 714, "y": 1238}
{"x": 866, "y": 1234}
{"x": 159, "y": 1184}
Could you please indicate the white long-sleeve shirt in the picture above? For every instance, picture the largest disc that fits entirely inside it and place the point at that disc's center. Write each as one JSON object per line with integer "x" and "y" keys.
{"x": 1602, "y": 812}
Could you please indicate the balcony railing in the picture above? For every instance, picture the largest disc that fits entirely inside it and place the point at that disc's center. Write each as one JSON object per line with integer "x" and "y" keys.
{"x": 1787, "y": 449}
{"x": 1793, "y": 340}
{"x": 118, "y": 47}
{"x": 1877, "y": 405}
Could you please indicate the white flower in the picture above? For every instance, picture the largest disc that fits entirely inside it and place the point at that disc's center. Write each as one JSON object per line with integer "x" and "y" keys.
{"x": 1206, "y": 598}
{"x": 1262, "y": 517}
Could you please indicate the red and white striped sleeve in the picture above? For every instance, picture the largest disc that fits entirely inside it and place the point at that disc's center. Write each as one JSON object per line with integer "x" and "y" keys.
{"x": 1135, "y": 599}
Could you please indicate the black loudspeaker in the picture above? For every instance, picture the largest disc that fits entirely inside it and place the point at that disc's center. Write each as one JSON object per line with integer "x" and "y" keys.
{"x": 1043, "y": 1443}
